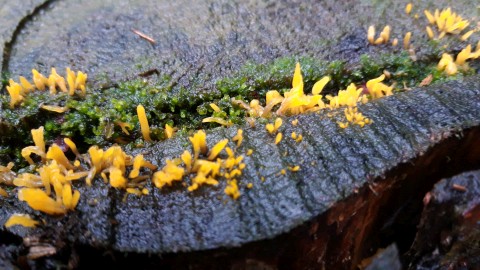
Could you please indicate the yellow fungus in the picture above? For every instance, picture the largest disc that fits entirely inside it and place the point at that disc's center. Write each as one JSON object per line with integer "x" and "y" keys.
{"x": 292, "y": 102}
{"x": 134, "y": 191}
{"x": 283, "y": 172}
{"x": 199, "y": 143}
{"x": 104, "y": 177}
{"x": 297, "y": 80}
{"x": 349, "y": 97}
{"x": 371, "y": 34}
{"x": 318, "y": 86}
{"x": 463, "y": 56}
{"x": 343, "y": 124}
{"x": 385, "y": 34}
{"x": 14, "y": 90}
{"x": 27, "y": 151}
{"x": 54, "y": 108}
{"x": 96, "y": 157}
{"x": 466, "y": 35}
{"x": 383, "y": 38}
{"x": 117, "y": 180}
{"x": 377, "y": 89}
{"x": 447, "y": 64}
{"x": 18, "y": 91}
{"x": 294, "y": 168}
{"x": 138, "y": 163}
{"x": 51, "y": 81}
{"x": 230, "y": 152}
{"x": 206, "y": 167}
{"x": 145, "y": 128}
{"x": 278, "y": 123}
{"x": 408, "y": 8}
{"x": 3, "y": 193}
{"x": 379, "y": 41}
{"x": 353, "y": 116}
{"x": 22, "y": 220}
{"x": 278, "y": 138}
{"x": 299, "y": 138}
{"x": 38, "y": 138}
{"x": 430, "y": 32}
{"x": 395, "y": 42}
{"x": 169, "y": 131}
{"x": 217, "y": 120}
{"x": 429, "y": 16}
{"x": 295, "y": 122}
{"x": 238, "y": 137}
{"x": 67, "y": 196}
{"x": 45, "y": 176}
{"x": 406, "y": 40}
{"x": 59, "y": 80}
{"x": 232, "y": 189}
{"x": 56, "y": 153}
{"x": 169, "y": 173}
{"x": 447, "y": 22}
{"x": 145, "y": 191}
{"x": 217, "y": 149}
{"x": 270, "y": 128}
{"x": 80, "y": 81}
{"x": 235, "y": 172}
{"x": 72, "y": 146}
{"x": 187, "y": 160}
{"x": 39, "y": 200}
{"x": 71, "y": 81}
{"x": 39, "y": 80}
{"x": 200, "y": 179}
{"x": 75, "y": 175}
{"x": 215, "y": 107}
{"x": 238, "y": 160}
{"x": 249, "y": 152}
{"x": 26, "y": 85}
{"x": 29, "y": 180}
{"x": 249, "y": 185}
{"x": 124, "y": 126}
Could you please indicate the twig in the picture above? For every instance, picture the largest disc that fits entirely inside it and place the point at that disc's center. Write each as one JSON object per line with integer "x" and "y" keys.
{"x": 142, "y": 35}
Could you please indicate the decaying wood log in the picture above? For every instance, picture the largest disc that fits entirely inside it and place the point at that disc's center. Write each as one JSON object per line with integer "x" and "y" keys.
{"x": 351, "y": 184}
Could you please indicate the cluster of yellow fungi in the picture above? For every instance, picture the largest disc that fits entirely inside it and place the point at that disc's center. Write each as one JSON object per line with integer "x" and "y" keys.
{"x": 295, "y": 101}
{"x": 446, "y": 22}
{"x": 384, "y": 37}
{"x": 205, "y": 166}
{"x": 72, "y": 82}
{"x": 451, "y": 66}
{"x": 50, "y": 190}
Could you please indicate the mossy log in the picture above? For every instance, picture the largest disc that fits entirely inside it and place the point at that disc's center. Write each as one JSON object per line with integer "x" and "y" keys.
{"x": 325, "y": 214}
